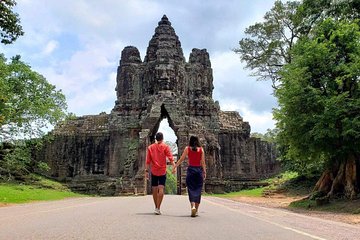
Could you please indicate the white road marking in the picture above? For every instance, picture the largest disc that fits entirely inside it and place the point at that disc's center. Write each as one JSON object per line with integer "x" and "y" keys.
{"x": 276, "y": 224}
{"x": 49, "y": 210}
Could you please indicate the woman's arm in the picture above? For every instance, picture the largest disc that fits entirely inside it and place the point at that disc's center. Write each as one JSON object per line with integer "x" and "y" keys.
{"x": 182, "y": 158}
{"x": 203, "y": 164}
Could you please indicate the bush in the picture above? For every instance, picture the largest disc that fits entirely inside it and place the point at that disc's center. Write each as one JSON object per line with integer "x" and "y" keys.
{"x": 171, "y": 182}
{"x": 16, "y": 160}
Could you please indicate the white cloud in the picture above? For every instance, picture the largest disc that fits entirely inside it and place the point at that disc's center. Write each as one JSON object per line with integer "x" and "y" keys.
{"x": 259, "y": 122}
{"x": 88, "y": 78}
{"x": 233, "y": 82}
{"x": 50, "y": 47}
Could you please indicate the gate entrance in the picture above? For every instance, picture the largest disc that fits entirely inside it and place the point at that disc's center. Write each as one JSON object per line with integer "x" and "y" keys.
{"x": 172, "y": 185}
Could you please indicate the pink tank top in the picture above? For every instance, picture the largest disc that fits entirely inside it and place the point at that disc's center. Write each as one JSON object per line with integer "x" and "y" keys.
{"x": 194, "y": 157}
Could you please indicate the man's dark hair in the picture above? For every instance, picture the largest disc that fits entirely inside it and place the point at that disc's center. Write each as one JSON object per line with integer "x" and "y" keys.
{"x": 159, "y": 136}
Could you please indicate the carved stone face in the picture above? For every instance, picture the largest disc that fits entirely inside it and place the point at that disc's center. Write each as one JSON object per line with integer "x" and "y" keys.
{"x": 165, "y": 77}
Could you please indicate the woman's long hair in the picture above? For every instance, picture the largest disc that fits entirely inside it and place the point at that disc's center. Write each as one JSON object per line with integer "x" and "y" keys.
{"x": 194, "y": 143}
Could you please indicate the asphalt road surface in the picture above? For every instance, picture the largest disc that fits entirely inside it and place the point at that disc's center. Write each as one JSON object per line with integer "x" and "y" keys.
{"x": 133, "y": 218}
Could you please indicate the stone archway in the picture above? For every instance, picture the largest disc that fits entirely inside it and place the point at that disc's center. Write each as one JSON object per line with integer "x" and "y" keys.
{"x": 106, "y": 153}
{"x": 151, "y": 136}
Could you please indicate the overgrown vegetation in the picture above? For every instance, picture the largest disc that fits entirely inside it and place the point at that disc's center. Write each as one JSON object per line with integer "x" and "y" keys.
{"x": 16, "y": 160}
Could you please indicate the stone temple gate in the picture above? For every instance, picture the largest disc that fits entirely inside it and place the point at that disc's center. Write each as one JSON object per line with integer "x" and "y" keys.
{"x": 105, "y": 153}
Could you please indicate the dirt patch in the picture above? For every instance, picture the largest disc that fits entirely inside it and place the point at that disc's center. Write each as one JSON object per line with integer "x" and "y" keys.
{"x": 282, "y": 201}
{"x": 4, "y": 204}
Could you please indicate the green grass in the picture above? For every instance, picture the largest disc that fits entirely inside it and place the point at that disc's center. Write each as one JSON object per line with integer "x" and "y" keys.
{"x": 335, "y": 205}
{"x": 41, "y": 190}
{"x": 257, "y": 192}
{"x": 303, "y": 204}
{"x": 275, "y": 182}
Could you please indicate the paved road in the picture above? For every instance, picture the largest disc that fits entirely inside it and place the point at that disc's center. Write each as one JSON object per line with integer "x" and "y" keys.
{"x": 132, "y": 218}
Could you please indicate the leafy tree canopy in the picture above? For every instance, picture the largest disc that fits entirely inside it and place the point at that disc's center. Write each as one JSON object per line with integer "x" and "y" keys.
{"x": 319, "y": 105}
{"x": 269, "y": 136}
{"x": 28, "y": 102}
{"x": 310, "y": 51}
{"x": 267, "y": 45}
{"x": 319, "y": 98}
{"x": 10, "y": 28}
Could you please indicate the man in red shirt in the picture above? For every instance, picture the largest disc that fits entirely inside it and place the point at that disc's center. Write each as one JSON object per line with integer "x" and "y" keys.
{"x": 156, "y": 158}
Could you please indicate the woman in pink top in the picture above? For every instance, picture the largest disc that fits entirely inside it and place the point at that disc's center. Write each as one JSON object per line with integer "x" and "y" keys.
{"x": 196, "y": 172}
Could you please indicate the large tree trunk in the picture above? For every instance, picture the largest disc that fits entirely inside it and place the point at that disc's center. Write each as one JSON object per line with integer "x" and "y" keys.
{"x": 342, "y": 180}
{"x": 325, "y": 182}
{"x": 351, "y": 186}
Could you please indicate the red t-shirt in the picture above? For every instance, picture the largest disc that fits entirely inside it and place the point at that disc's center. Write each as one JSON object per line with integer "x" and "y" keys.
{"x": 156, "y": 156}
{"x": 194, "y": 157}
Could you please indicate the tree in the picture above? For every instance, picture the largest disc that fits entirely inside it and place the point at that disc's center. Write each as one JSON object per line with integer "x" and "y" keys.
{"x": 268, "y": 44}
{"x": 269, "y": 136}
{"x": 319, "y": 105}
{"x": 266, "y": 50}
{"x": 171, "y": 181}
{"x": 314, "y": 12}
{"x": 29, "y": 103}
{"x": 267, "y": 47}
{"x": 10, "y": 28}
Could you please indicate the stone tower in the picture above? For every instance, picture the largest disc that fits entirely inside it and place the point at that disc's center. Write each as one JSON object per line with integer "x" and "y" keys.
{"x": 106, "y": 153}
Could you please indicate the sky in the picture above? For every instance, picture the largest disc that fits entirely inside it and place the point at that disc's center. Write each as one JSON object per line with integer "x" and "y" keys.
{"x": 76, "y": 45}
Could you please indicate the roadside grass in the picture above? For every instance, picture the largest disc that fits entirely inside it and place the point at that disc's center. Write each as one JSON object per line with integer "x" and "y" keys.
{"x": 275, "y": 183}
{"x": 39, "y": 189}
{"x": 289, "y": 184}
{"x": 256, "y": 192}
{"x": 335, "y": 206}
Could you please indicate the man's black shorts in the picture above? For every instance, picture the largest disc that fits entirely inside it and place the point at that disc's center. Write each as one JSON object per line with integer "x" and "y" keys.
{"x": 158, "y": 180}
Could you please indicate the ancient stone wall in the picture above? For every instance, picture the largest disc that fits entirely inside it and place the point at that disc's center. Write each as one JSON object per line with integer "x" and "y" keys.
{"x": 106, "y": 153}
